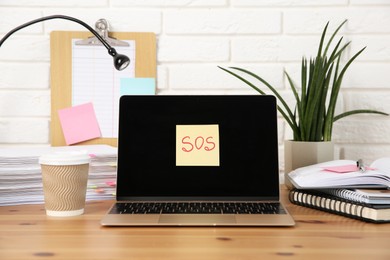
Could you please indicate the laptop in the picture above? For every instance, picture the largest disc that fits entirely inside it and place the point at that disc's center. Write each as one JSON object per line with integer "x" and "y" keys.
{"x": 198, "y": 161}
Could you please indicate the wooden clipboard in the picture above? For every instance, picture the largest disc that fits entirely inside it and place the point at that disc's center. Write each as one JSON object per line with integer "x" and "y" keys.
{"x": 61, "y": 73}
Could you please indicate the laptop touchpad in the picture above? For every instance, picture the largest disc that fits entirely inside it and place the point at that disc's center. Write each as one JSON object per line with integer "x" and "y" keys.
{"x": 196, "y": 219}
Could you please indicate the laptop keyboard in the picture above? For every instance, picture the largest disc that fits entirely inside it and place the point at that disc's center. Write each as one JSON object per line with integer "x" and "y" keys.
{"x": 197, "y": 208}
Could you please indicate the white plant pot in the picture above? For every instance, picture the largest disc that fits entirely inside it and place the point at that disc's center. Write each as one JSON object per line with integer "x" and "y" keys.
{"x": 299, "y": 154}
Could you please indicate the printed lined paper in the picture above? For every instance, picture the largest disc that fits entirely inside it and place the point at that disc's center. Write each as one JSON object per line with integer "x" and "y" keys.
{"x": 95, "y": 79}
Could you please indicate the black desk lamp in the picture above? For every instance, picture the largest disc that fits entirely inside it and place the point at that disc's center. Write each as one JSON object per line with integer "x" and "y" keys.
{"x": 120, "y": 61}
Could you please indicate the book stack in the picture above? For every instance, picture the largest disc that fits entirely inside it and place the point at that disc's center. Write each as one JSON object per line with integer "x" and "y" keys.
{"x": 341, "y": 187}
{"x": 21, "y": 179}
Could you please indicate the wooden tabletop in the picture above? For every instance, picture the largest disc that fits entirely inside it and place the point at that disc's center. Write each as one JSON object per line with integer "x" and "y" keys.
{"x": 27, "y": 233}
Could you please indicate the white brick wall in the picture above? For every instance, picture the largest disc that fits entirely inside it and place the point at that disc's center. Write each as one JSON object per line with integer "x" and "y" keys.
{"x": 194, "y": 37}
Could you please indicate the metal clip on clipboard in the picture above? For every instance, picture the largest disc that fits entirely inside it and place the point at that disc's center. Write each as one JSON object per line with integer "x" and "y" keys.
{"x": 102, "y": 27}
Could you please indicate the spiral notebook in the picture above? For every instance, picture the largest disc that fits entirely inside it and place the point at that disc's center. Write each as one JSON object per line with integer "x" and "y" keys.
{"x": 372, "y": 196}
{"x": 376, "y": 213}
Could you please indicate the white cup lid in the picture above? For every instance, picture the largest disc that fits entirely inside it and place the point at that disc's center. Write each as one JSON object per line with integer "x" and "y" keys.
{"x": 65, "y": 158}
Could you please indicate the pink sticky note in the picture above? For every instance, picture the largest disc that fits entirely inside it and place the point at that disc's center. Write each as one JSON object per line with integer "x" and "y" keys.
{"x": 346, "y": 168}
{"x": 111, "y": 183}
{"x": 79, "y": 123}
{"x": 342, "y": 168}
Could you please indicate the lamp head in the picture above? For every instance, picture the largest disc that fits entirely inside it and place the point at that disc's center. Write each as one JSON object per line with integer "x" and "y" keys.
{"x": 120, "y": 61}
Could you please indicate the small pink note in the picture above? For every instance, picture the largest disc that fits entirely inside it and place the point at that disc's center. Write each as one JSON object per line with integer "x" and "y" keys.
{"x": 79, "y": 123}
{"x": 342, "y": 168}
{"x": 111, "y": 183}
{"x": 346, "y": 168}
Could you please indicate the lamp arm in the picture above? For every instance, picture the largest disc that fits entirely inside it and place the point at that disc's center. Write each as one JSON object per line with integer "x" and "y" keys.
{"x": 120, "y": 61}
{"x": 110, "y": 49}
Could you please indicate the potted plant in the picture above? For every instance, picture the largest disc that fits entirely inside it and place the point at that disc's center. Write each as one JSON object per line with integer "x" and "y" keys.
{"x": 312, "y": 119}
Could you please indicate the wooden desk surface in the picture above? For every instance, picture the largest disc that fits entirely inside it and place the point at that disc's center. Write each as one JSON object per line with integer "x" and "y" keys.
{"x": 27, "y": 233}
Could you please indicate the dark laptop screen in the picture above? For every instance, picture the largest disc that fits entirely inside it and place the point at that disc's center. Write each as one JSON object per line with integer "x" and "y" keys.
{"x": 197, "y": 146}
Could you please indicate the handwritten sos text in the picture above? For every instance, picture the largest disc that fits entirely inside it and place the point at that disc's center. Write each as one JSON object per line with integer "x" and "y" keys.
{"x": 200, "y": 142}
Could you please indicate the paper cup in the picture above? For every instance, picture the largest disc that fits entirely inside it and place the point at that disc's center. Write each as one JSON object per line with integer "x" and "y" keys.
{"x": 64, "y": 177}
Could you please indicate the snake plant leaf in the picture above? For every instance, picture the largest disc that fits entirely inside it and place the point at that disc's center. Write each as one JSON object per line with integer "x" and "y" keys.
{"x": 284, "y": 103}
{"x": 332, "y": 37}
{"x": 334, "y": 95}
{"x": 358, "y": 111}
{"x": 291, "y": 121}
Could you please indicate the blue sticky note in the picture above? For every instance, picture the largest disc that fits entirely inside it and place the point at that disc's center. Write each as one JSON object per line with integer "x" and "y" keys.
{"x": 138, "y": 86}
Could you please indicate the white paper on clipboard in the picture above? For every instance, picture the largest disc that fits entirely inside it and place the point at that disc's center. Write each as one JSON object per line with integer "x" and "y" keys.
{"x": 95, "y": 79}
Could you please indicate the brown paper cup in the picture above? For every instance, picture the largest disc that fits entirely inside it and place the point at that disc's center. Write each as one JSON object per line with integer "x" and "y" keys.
{"x": 64, "y": 179}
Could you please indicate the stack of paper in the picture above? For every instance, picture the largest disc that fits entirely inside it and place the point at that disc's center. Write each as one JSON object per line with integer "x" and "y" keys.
{"x": 21, "y": 179}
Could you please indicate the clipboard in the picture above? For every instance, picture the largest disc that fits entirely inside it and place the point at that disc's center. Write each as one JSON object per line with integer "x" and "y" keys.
{"x": 61, "y": 72}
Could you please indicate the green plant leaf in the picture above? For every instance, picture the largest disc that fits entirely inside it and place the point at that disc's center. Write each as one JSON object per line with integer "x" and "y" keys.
{"x": 299, "y": 104}
{"x": 290, "y": 120}
{"x": 358, "y": 111}
{"x": 303, "y": 83}
{"x": 328, "y": 124}
{"x": 333, "y": 35}
{"x": 279, "y": 97}
{"x": 322, "y": 40}
{"x": 334, "y": 95}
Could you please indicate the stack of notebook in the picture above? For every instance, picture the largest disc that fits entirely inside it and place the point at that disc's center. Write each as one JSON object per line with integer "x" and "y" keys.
{"x": 21, "y": 179}
{"x": 347, "y": 202}
{"x": 342, "y": 188}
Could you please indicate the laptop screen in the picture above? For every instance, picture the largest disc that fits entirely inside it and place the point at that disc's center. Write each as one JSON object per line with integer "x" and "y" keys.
{"x": 208, "y": 147}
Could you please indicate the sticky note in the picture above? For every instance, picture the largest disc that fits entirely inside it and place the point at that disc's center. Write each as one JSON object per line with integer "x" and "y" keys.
{"x": 342, "y": 168}
{"x": 197, "y": 145}
{"x": 79, "y": 123}
{"x": 345, "y": 168}
{"x": 111, "y": 183}
{"x": 137, "y": 86}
